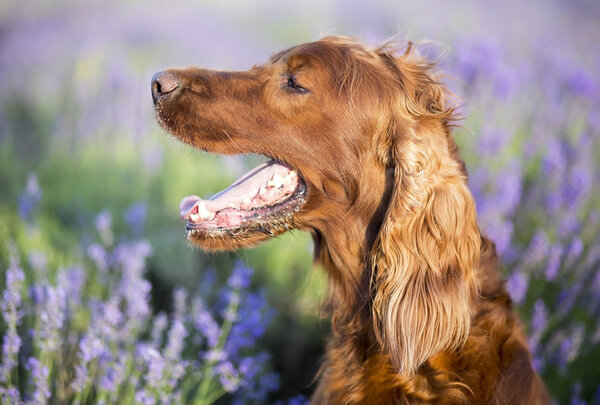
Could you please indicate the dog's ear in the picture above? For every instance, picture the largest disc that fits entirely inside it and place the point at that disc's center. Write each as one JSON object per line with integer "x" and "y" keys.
{"x": 425, "y": 256}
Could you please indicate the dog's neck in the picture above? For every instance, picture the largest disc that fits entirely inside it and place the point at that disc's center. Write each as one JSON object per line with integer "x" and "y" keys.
{"x": 344, "y": 251}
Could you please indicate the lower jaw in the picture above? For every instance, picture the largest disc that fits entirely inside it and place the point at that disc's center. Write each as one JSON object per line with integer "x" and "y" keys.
{"x": 225, "y": 243}
{"x": 235, "y": 238}
{"x": 260, "y": 224}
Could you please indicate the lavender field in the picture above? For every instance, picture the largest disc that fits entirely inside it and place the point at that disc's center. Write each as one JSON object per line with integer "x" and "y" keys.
{"x": 102, "y": 300}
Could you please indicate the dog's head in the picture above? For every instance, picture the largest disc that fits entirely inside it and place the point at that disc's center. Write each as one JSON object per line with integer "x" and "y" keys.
{"x": 304, "y": 110}
{"x": 360, "y": 154}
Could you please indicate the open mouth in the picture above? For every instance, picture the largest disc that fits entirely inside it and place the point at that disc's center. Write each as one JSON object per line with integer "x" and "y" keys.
{"x": 264, "y": 200}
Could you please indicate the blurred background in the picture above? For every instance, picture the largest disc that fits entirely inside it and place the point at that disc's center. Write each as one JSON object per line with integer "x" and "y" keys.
{"x": 78, "y": 143}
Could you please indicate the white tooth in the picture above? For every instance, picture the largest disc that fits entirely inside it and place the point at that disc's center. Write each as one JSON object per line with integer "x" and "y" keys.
{"x": 291, "y": 175}
{"x": 203, "y": 212}
{"x": 231, "y": 205}
{"x": 262, "y": 190}
{"x": 194, "y": 217}
{"x": 276, "y": 181}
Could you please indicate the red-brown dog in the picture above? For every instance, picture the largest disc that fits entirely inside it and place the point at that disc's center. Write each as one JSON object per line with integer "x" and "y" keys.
{"x": 362, "y": 158}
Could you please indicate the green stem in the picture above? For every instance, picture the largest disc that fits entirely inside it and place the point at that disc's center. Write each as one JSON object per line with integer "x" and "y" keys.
{"x": 216, "y": 395}
{"x": 77, "y": 399}
{"x": 201, "y": 396}
{"x": 88, "y": 387}
{"x": 128, "y": 394}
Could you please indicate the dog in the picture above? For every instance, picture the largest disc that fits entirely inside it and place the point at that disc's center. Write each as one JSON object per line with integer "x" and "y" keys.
{"x": 361, "y": 155}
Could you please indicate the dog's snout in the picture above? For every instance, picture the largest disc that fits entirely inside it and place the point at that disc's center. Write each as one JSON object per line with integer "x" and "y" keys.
{"x": 164, "y": 83}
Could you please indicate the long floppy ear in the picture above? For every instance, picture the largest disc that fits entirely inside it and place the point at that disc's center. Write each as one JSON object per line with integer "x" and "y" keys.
{"x": 428, "y": 247}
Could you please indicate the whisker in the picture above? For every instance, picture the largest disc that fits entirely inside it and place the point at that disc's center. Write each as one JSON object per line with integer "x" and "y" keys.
{"x": 233, "y": 142}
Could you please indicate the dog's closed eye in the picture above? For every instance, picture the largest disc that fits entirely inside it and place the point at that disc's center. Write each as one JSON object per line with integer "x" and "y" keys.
{"x": 292, "y": 83}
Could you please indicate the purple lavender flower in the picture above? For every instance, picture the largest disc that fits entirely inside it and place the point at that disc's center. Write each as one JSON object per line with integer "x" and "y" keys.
{"x": 154, "y": 363}
{"x": 575, "y": 250}
{"x": 583, "y": 84}
{"x": 204, "y": 323}
{"x": 215, "y": 356}
{"x": 576, "y": 395}
{"x": 10, "y": 309}
{"x": 577, "y": 186}
{"x": 99, "y": 256}
{"x": 539, "y": 323}
{"x": 103, "y": 222}
{"x": 230, "y": 314}
{"x": 596, "y": 398}
{"x": 102, "y": 332}
{"x": 175, "y": 340}
{"x": 492, "y": 141}
{"x": 569, "y": 224}
{"x": 517, "y": 285}
{"x": 180, "y": 302}
{"x": 135, "y": 216}
{"x": 497, "y": 196}
{"x": 72, "y": 281}
{"x": 540, "y": 316}
{"x": 501, "y": 232}
{"x": 137, "y": 293}
{"x": 554, "y": 166}
{"x": 105, "y": 328}
{"x": 595, "y": 286}
{"x": 39, "y": 375}
{"x": 567, "y": 298}
{"x": 114, "y": 374}
{"x": 207, "y": 285}
{"x": 81, "y": 378}
{"x": 240, "y": 277}
{"x": 144, "y": 397}
{"x": 158, "y": 327}
{"x": 90, "y": 347}
{"x": 133, "y": 288}
{"x": 255, "y": 379}
{"x": 509, "y": 188}
{"x": 505, "y": 82}
{"x": 36, "y": 293}
{"x": 268, "y": 382}
{"x": 537, "y": 250}
{"x": 10, "y": 395}
{"x": 253, "y": 318}
{"x": 10, "y": 350}
{"x": 30, "y": 198}
{"x": 109, "y": 381}
{"x": 51, "y": 315}
{"x": 174, "y": 365}
{"x": 474, "y": 60}
{"x": 298, "y": 400}
{"x": 228, "y": 376}
{"x": 570, "y": 346}
{"x": 553, "y": 262}
{"x": 131, "y": 257}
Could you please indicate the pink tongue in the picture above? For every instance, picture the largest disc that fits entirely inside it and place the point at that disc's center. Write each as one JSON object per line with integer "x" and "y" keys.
{"x": 245, "y": 188}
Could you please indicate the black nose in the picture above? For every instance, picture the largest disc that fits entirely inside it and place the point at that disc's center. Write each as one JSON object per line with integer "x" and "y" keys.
{"x": 163, "y": 83}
